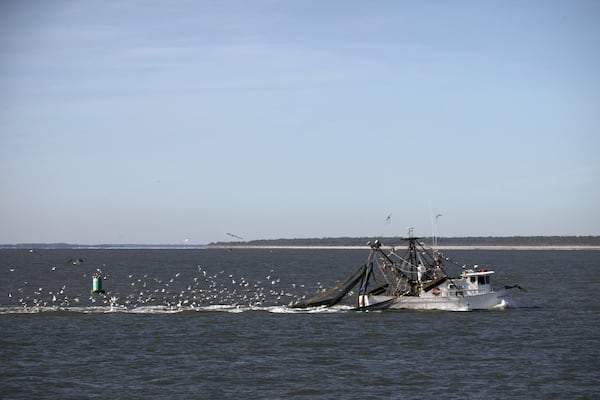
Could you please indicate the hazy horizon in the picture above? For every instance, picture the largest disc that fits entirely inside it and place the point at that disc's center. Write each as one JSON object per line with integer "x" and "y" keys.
{"x": 324, "y": 239}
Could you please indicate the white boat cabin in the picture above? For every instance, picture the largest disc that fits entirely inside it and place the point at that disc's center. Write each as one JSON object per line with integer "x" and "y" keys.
{"x": 472, "y": 282}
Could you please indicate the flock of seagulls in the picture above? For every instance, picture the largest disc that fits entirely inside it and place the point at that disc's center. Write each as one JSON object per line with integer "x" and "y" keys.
{"x": 193, "y": 290}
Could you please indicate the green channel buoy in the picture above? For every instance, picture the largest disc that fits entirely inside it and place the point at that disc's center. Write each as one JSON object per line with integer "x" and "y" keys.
{"x": 97, "y": 284}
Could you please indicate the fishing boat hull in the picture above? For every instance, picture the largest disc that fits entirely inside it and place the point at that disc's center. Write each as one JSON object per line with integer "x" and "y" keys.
{"x": 484, "y": 301}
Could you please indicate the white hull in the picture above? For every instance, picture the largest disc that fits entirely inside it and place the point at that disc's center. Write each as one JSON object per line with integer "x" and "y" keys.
{"x": 484, "y": 301}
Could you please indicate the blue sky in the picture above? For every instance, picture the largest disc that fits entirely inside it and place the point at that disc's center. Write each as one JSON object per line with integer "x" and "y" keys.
{"x": 157, "y": 122}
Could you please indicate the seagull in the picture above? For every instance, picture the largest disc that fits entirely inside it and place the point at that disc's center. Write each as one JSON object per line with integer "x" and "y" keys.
{"x": 234, "y": 236}
{"x": 515, "y": 286}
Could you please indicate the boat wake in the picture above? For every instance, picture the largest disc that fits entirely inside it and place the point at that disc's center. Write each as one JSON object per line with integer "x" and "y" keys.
{"x": 224, "y": 308}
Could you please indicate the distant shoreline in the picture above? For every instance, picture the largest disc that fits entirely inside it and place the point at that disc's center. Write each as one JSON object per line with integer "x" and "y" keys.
{"x": 297, "y": 247}
{"x": 345, "y": 243}
{"x": 491, "y": 247}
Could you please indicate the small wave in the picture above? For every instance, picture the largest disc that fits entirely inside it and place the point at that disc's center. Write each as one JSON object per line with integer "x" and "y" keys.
{"x": 54, "y": 309}
{"x": 503, "y": 305}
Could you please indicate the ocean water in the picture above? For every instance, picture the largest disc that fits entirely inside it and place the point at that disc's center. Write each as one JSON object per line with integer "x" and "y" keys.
{"x": 214, "y": 324}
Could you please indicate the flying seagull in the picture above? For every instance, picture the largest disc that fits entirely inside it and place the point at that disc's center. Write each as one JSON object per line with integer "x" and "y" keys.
{"x": 234, "y": 236}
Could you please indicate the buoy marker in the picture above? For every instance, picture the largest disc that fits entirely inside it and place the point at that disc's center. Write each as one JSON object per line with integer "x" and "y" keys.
{"x": 97, "y": 284}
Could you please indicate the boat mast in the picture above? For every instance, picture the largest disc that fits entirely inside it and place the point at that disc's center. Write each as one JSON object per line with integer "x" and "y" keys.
{"x": 435, "y": 235}
{"x": 412, "y": 251}
{"x": 413, "y": 259}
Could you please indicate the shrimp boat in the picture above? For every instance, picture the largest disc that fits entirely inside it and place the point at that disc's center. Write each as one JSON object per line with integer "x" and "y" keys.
{"x": 416, "y": 279}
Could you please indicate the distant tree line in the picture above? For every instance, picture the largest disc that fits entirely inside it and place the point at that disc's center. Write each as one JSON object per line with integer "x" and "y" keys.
{"x": 442, "y": 241}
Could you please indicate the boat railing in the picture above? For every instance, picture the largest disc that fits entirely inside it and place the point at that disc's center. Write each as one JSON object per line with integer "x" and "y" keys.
{"x": 468, "y": 292}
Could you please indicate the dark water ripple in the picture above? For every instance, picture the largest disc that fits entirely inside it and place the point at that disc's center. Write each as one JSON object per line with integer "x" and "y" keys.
{"x": 545, "y": 346}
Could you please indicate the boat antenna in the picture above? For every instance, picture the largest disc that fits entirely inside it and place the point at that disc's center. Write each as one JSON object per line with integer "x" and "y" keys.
{"x": 435, "y": 235}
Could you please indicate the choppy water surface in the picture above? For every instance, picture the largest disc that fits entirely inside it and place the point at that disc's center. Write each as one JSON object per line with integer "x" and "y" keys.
{"x": 215, "y": 324}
